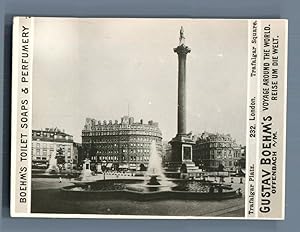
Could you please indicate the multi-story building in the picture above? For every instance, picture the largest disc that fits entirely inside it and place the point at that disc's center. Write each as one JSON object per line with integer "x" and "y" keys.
{"x": 120, "y": 145}
{"x": 53, "y": 142}
{"x": 217, "y": 152}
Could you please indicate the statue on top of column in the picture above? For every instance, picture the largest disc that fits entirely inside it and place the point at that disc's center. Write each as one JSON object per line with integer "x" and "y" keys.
{"x": 181, "y": 38}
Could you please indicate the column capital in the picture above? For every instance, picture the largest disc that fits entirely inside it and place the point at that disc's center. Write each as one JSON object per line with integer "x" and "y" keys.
{"x": 182, "y": 50}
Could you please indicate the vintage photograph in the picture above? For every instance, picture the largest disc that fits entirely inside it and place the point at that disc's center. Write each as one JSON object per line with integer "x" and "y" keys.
{"x": 139, "y": 117}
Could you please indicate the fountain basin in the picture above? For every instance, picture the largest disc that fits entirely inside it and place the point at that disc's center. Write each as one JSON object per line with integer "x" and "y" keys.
{"x": 54, "y": 175}
{"x": 123, "y": 189}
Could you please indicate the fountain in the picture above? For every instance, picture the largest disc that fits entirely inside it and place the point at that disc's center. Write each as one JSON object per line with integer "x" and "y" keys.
{"x": 155, "y": 168}
{"x": 155, "y": 179}
{"x": 155, "y": 171}
{"x": 86, "y": 170}
{"x": 154, "y": 186}
{"x": 53, "y": 168}
{"x": 86, "y": 175}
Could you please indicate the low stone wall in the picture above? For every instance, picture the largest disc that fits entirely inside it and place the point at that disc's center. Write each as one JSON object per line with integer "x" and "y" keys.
{"x": 69, "y": 193}
{"x": 55, "y": 175}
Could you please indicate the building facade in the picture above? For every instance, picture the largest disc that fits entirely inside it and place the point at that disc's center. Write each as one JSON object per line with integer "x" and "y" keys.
{"x": 217, "y": 152}
{"x": 120, "y": 145}
{"x": 53, "y": 142}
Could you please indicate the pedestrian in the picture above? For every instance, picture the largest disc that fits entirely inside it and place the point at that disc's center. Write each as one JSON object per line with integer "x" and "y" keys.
{"x": 60, "y": 179}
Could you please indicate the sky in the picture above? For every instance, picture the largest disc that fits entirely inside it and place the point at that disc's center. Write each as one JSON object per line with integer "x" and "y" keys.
{"x": 100, "y": 68}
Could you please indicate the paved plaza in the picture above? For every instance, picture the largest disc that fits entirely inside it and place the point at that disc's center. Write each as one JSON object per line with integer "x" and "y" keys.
{"x": 47, "y": 198}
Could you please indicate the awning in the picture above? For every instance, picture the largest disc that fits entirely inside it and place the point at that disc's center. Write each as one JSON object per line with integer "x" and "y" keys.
{"x": 132, "y": 166}
{"x": 123, "y": 166}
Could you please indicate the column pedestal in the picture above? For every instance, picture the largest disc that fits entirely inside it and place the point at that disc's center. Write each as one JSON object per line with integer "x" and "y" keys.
{"x": 181, "y": 164}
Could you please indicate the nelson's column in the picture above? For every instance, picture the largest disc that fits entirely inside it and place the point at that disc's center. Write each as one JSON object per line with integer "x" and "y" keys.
{"x": 182, "y": 143}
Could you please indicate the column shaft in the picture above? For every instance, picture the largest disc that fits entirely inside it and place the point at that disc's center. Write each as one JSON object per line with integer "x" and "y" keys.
{"x": 181, "y": 110}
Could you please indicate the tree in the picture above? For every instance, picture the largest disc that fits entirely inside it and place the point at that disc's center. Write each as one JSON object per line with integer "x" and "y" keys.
{"x": 143, "y": 167}
{"x": 221, "y": 167}
{"x": 242, "y": 163}
{"x": 60, "y": 157}
{"x": 81, "y": 155}
{"x": 103, "y": 168}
